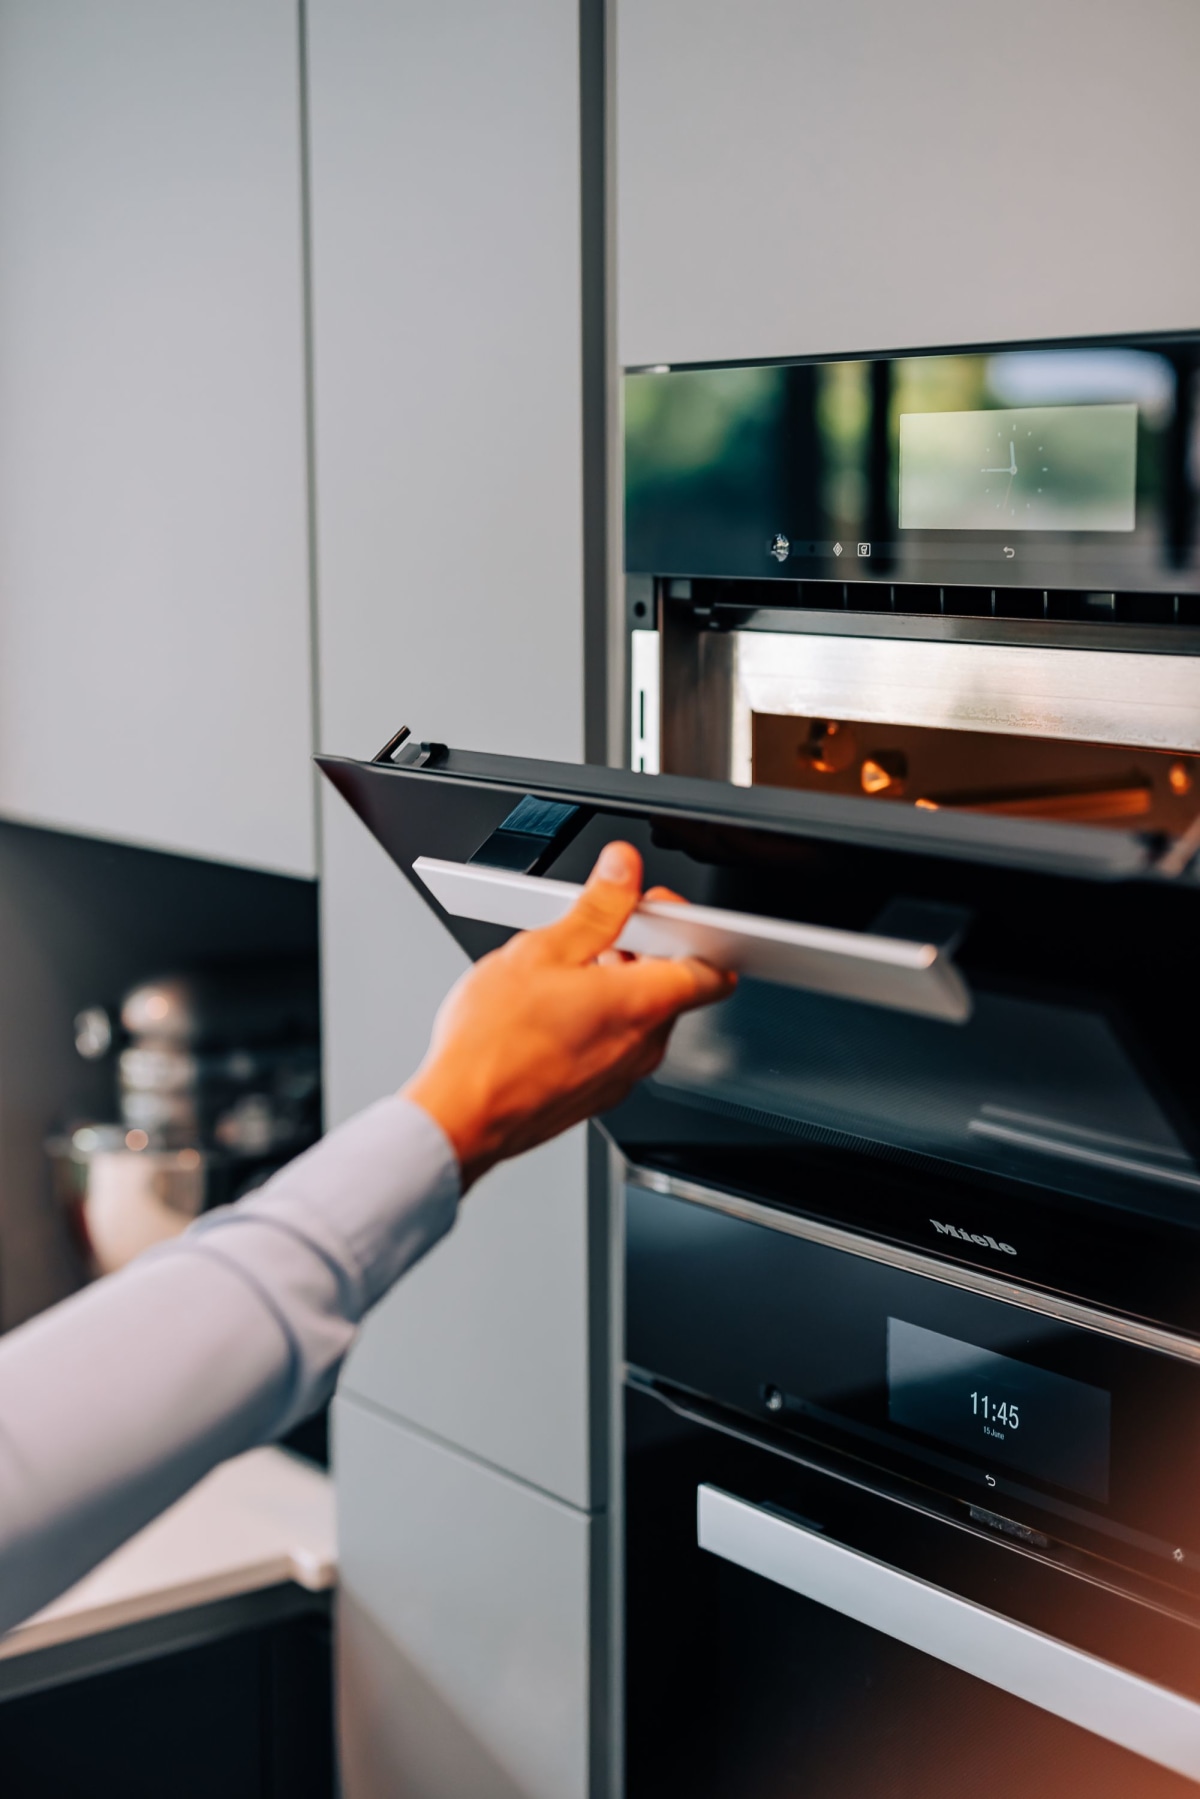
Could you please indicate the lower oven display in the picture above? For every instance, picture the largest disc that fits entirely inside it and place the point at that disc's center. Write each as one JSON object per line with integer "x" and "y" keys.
{"x": 1045, "y": 1425}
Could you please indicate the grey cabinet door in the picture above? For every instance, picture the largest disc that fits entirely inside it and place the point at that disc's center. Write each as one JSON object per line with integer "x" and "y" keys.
{"x": 154, "y": 611}
{"x": 463, "y": 1654}
{"x": 445, "y": 245}
{"x": 853, "y": 175}
{"x": 446, "y": 314}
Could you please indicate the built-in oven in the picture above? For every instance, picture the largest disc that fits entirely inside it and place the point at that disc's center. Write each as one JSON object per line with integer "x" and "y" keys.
{"x": 913, "y": 1445}
{"x": 893, "y": 1531}
{"x": 914, "y": 1218}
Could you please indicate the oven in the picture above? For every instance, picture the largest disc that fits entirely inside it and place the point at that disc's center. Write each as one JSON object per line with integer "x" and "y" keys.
{"x": 893, "y": 1531}
{"x": 912, "y": 1365}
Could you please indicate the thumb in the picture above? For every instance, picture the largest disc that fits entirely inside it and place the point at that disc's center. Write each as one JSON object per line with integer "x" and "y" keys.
{"x": 601, "y": 912}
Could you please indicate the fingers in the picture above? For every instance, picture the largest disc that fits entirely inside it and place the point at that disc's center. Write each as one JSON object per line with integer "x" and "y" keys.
{"x": 665, "y": 893}
{"x": 710, "y": 984}
{"x": 656, "y": 990}
{"x": 600, "y": 913}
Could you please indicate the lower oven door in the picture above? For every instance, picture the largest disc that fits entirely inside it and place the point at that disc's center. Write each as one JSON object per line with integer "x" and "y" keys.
{"x": 795, "y": 1632}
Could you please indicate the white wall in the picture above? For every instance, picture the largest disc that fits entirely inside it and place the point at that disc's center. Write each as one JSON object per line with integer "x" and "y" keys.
{"x": 801, "y": 176}
{"x": 154, "y": 618}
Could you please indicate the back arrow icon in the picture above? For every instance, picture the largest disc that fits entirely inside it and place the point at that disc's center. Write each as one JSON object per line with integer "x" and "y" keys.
{"x": 1009, "y": 551}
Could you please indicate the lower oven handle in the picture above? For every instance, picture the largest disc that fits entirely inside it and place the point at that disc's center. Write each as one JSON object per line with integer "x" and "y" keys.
{"x": 900, "y": 972}
{"x": 1106, "y": 1700}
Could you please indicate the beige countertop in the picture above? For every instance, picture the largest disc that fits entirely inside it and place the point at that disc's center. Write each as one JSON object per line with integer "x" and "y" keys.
{"x": 258, "y": 1521}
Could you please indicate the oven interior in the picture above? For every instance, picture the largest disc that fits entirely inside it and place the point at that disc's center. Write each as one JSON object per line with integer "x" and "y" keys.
{"x": 1057, "y": 1079}
{"x": 1106, "y": 736}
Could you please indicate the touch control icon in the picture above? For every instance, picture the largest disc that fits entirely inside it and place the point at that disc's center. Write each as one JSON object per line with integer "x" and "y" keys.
{"x": 1009, "y": 552}
{"x": 864, "y": 549}
{"x": 779, "y": 547}
{"x": 837, "y": 549}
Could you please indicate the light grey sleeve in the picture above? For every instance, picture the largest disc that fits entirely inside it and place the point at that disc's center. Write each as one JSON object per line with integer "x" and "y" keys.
{"x": 116, "y": 1402}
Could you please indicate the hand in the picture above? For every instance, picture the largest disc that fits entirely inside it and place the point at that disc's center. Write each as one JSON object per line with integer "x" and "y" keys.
{"x": 556, "y": 1025}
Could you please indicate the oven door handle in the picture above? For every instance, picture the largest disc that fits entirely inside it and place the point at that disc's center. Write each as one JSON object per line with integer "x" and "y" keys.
{"x": 1121, "y": 1707}
{"x": 899, "y": 972}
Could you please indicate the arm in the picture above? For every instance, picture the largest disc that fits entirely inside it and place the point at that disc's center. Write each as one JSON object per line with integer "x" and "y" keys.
{"x": 116, "y": 1402}
{"x": 113, "y": 1404}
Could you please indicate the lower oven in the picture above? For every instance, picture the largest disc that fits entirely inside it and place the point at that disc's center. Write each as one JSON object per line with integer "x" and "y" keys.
{"x": 897, "y": 1533}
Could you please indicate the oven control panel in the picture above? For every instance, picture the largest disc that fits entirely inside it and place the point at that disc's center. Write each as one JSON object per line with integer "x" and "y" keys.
{"x": 1079, "y": 1428}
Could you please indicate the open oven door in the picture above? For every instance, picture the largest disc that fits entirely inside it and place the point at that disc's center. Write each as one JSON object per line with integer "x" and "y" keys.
{"x": 943, "y": 1020}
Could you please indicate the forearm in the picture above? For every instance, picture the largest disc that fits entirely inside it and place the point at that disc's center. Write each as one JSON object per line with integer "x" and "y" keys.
{"x": 113, "y": 1404}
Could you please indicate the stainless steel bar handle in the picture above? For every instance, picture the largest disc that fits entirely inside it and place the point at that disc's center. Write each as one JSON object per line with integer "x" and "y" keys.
{"x": 1121, "y": 1707}
{"x": 859, "y": 965}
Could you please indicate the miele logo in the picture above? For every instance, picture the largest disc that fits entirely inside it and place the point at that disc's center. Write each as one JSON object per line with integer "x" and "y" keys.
{"x": 952, "y": 1230}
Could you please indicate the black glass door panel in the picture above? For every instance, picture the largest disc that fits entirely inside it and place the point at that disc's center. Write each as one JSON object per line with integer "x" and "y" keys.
{"x": 738, "y": 1686}
{"x": 1023, "y": 1089}
{"x": 1075, "y": 1079}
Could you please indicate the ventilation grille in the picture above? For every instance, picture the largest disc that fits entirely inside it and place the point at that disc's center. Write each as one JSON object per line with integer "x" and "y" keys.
{"x": 1076, "y": 606}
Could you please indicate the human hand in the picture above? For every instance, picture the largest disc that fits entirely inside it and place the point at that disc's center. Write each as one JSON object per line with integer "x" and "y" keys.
{"x": 556, "y": 1025}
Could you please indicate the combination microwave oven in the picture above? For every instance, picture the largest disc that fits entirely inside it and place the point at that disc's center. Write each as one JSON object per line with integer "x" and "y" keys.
{"x": 913, "y": 1221}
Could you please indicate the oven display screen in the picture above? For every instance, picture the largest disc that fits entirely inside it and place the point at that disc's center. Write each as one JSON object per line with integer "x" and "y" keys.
{"x": 1060, "y": 469}
{"x": 1036, "y": 1423}
{"x": 1022, "y": 468}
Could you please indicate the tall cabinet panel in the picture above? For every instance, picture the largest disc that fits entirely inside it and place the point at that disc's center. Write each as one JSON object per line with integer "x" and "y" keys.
{"x": 844, "y": 175}
{"x": 463, "y": 1624}
{"x": 445, "y": 178}
{"x": 486, "y": 1343}
{"x": 446, "y": 304}
{"x": 444, "y": 145}
{"x": 154, "y": 611}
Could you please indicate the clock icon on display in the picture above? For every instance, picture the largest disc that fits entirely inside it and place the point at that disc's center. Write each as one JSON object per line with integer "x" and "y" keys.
{"x": 1020, "y": 468}
{"x": 1013, "y": 487}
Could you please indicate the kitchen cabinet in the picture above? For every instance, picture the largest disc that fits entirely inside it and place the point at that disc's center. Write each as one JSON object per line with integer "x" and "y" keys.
{"x": 462, "y": 1622}
{"x": 445, "y": 184}
{"x": 154, "y": 597}
{"x": 851, "y": 176}
{"x": 244, "y": 1716}
{"x": 489, "y": 1341}
{"x": 445, "y": 228}
{"x": 194, "y": 1660}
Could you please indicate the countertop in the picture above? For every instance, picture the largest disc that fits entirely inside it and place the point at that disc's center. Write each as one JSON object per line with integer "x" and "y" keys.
{"x": 260, "y": 1521}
